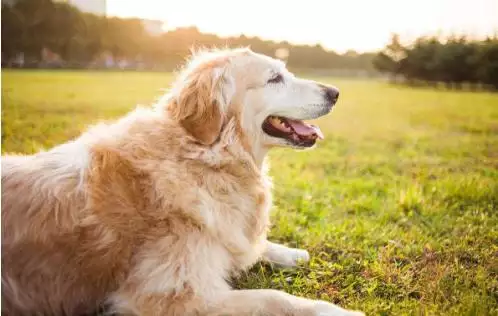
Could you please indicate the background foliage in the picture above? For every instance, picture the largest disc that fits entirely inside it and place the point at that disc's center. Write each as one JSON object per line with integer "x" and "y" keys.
{"x": 31, "y": 25}
{"x": 454, "y": 61}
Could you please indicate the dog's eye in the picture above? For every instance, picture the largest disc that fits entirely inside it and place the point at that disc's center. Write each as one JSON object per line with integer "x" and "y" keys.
{"x": 276, "y": 79}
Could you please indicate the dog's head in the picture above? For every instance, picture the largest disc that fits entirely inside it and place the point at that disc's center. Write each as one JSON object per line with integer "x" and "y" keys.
{"x": 268, "y": 101}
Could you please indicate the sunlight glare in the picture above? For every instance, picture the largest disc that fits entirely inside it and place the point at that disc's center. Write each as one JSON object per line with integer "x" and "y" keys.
{"x": 339, "y": 25}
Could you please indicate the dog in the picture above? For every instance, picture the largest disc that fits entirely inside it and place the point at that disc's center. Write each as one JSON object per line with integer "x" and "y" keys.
{"x": 153, "y": 213}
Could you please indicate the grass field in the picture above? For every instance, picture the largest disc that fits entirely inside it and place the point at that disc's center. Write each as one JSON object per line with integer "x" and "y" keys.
{"x": 398, "y": 205}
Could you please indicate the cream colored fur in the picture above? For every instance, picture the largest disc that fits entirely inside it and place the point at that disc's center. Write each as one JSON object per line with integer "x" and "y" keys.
{"x": 153, "y": 213}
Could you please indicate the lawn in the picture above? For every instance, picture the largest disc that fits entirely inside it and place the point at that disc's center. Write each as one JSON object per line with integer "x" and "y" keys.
{"x": 398, "y": 205}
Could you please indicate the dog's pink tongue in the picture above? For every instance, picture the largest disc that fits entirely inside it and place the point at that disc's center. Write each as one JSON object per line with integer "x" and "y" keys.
{"x": 304, "y": 129}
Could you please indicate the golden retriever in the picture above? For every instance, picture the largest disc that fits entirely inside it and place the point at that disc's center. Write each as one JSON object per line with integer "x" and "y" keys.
{"x": 153, "y": 213}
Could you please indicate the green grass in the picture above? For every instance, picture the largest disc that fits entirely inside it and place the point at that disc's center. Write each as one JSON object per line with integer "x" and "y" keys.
{"x": 398, "y": 206}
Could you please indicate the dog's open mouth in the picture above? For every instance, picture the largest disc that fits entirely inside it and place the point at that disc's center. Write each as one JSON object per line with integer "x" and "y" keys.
{"x": 296, "y": 132}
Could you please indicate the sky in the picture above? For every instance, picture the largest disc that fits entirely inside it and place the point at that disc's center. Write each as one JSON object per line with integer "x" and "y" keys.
{"x": 362, "y": 25}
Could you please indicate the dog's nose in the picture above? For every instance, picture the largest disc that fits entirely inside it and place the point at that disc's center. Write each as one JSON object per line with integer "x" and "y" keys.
{"x": 331, "y": 94}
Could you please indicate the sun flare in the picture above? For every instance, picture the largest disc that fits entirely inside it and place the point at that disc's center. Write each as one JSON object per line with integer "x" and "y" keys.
{"x": 338, "y": 25}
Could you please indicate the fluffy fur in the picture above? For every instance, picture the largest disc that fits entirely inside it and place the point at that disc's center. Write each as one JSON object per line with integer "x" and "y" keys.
{"x": 153, "y": 213}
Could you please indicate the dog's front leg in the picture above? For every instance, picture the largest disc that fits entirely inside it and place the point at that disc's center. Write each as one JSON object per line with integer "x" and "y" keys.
{"x": 284, "y": 256}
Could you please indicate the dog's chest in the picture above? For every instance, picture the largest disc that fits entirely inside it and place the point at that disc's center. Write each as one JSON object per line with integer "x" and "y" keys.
{"x": 230, "y": 205}
{"x": 244, "y": 202}
{"x": 235, "y": 211}
{"x": 244, "y": 220}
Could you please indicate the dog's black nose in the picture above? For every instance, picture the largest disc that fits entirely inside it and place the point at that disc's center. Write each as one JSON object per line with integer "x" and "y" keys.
{"x": 331, "y": 94}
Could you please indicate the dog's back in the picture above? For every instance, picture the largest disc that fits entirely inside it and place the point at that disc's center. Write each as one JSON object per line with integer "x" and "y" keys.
{"x": 42, "y": 193}
{"x": 45, "y": 248}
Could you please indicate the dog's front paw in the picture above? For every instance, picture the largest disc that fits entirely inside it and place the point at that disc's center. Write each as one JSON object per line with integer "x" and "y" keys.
{"x": 300, "y": 255}
{"x": 323, "y": 308}
{"x": 293, "y": 257}
{"x": 284, "y": 256}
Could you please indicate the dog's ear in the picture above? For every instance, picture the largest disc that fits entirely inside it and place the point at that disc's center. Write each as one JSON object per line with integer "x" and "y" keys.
{"x": 201, "y": 99}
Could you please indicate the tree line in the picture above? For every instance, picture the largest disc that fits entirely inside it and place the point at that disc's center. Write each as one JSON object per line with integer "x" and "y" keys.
{"x": 80, "y": 39}
{"x": 455, "y": 61}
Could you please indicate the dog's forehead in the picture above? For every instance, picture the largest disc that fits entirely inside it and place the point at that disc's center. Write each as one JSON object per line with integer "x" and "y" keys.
{"x": 259, "y": 62}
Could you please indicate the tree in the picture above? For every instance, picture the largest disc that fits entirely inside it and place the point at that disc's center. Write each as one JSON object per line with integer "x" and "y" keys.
{"x": 487, "y": 58}
{"x": 455, "y": 61}
{"x": 385, "y": 64}
{"x": 389, "y": 60}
